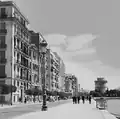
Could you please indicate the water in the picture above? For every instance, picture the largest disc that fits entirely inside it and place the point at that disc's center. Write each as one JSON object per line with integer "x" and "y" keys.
{"x": 114, "y": 107}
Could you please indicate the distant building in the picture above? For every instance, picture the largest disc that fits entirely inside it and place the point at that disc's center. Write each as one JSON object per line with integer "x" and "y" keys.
{"x": 52, "y": 71}
{"x": 100, "y": 84}
{"x": 61, "y": 73}
{"x": 71, "y": 83}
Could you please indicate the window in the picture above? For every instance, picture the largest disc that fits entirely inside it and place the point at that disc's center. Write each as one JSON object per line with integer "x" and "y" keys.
{"x": 2, "y": 40}
{"x": 17, "y": 83}
{"x": 15, "y": 28}
{"x": 2, "y": 25}
{"x": 14, "y": 98}
{"x": 2, "y": 55}
{"x": 14, "y": 83}
{"x": 34, "y": 55}
{"x": 3, "y": 11}
{"x": 14, "y": 41}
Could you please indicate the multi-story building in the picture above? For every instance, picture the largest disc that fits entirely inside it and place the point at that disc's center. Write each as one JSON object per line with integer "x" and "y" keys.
{"x": 71, "y": 83}
{"x": 34, "y": 65}
{"x": 35, "y": 39}
{"x": 52, "y": 71}
{"x": 68, "y": 83}
{"x": 61, "y": 73}
{"x": 15, "y": 59}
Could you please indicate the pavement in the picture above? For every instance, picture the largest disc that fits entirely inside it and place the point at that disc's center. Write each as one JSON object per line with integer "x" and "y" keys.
{"x": 19, "y": 104}
{"x": 13, "y": 111}
{"x": 69, "y": 111}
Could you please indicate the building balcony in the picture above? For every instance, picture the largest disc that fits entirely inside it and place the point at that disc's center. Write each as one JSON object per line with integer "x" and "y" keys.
{"x": 3, "y": 76}
{"x": 3, "y": 46}
{"x": 3, "y": 61}
{"x": 3, "y": 16}
{"x": 3, "y": 31}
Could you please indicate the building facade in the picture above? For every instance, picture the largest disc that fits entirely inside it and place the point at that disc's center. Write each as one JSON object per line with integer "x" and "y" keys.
{"x": 15, "y": 59}
{"x": 61, "y": 75}
{"x": 71, "y": 83}
{"x": 35, "y": 39}
{"x": 20, "y": 54}
{"x": 100, "y": 84}
{"x": 52, "y": 71}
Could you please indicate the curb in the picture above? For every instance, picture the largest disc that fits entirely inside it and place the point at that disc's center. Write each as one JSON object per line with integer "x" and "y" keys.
{"x": 105, "y": 113}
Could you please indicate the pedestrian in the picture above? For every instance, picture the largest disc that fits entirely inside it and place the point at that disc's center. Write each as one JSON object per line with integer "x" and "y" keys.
{"x": 78, "y": 98}
{"x": 89, "y": 99}
{"x": 83, "y": 99}
{"x": 73, "y": 99}
{"x": 25, "y": 100}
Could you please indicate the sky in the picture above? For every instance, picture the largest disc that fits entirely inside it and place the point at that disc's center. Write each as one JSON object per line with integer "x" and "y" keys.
{"x": 85, "y": 33}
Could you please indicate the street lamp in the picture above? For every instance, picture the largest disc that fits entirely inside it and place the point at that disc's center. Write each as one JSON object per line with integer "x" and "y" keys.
{"x": 43, "y": 45}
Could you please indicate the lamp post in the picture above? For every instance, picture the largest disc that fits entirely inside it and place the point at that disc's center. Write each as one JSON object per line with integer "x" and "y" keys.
{"x": 43, "y": 45}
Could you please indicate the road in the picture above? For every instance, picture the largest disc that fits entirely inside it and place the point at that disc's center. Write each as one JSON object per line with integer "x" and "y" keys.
{"x": 8, "y": 113}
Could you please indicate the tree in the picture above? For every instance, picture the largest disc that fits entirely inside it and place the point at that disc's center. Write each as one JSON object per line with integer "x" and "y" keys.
{"x": 6, "y": 89}
{"x": 33, "y": 91}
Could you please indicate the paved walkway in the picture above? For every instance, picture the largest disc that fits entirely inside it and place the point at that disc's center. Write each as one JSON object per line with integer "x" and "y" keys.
{"x": 69, "y": 111}
{"x": 18, "y": 104}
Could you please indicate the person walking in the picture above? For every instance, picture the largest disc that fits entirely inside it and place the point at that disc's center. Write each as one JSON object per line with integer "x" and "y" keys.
{"x": 89, "y": 99}
{"x": 73, "y": 99}
{"x": 78, "y": 99}
{"x": 83, "y": 99}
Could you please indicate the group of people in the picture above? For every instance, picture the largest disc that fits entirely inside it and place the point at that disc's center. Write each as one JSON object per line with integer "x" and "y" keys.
{"x": 76, "y": 99}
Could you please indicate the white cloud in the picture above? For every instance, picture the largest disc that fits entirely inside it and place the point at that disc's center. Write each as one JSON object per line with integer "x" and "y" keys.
{"x": 78, "y": 42}
{"x": 55, "y": 39}
{"x": 80, "y": 59}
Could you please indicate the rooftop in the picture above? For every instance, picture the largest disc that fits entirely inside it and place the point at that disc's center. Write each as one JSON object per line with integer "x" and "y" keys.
{"x": 12, "y": 3}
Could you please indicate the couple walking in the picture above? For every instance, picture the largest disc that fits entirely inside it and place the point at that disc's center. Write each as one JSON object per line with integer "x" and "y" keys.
{"x": 76, "y": 99}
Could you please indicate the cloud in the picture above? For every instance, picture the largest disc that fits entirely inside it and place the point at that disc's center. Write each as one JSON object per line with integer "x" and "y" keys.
{"x": 81, "y": 59}
{"x": 71, "y": 46}
{"x": 79, "y": 42}
{"x": 55, "y": 39}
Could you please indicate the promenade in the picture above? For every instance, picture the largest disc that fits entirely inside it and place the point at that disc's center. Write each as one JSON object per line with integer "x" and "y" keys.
{"x": 70, "y": 111}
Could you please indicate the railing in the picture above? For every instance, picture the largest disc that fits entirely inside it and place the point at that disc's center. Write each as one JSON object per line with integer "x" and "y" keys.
{"x": 3, "y": 46}
{"x": 3, "y": 61}
{"x": 3, "y": 31}
{"x": 4, "y": 76}
{"x": 3, "y": 16}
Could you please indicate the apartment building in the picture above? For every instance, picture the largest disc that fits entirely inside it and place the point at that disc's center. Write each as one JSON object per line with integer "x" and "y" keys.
{"x": 52, "y": 71}
{"x": 68, "y": 83}
{"x": 71, "y": 83}
{"x": 15, "y": 55}
{"x": 36, "y": 38}
{"x": 34, "y": 65}
{"x": 61, "y": 73}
